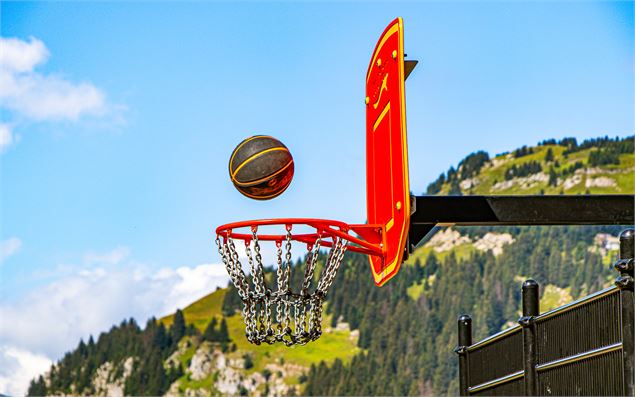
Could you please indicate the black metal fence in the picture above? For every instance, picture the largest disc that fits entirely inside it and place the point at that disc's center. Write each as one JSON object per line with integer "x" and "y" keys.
{"x": 586, "y": 347}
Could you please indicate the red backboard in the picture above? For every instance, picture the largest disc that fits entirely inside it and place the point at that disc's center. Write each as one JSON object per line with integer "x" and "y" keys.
{"x": 387, "y": 185}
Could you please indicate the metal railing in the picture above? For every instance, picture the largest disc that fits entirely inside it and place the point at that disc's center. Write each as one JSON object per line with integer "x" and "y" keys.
{"x": 583, "y": 348}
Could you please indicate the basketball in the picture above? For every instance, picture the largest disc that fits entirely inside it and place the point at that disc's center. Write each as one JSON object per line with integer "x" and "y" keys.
{"x": 261, "y": 167}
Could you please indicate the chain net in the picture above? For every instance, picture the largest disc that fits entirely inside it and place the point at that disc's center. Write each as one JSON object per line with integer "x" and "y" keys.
{"x": 278, "y": 314}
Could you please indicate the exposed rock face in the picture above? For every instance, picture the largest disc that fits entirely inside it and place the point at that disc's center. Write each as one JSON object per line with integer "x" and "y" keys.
{"x": 597, "y": 170}
{"x": 204, "y": 362}
{"x": 500, "y": 161}
{"x": 493, "y": 242}
{"x": 469, "y": 183}
{"x": 173, "y": 391}
{"x": 230, "y": 378}
{"x": 229, "y": 381}
{"x": 602, "y": 181}
{"x": 571, "y": 181}
{"x": 523, "y": 182}
{"x": 197, "y": 393}
{"x": 276, "y": 384}
{"x": 106, "y": 384}
{"x": 447, "y": 239}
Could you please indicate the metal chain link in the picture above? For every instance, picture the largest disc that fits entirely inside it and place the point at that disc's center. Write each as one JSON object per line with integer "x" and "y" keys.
{"x": 298, "y": 316}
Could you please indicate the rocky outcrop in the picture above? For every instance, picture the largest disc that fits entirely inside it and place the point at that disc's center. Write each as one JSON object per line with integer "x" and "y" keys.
{"x": 446, "y": 239}
{"x": 469, "y": 183}
{"x": 205, "y": 361}
{"x": 106, "y": 383}
{"x": 524, "y": 183}
{"x": 493, "y": 242}
{"x": 602, "y": 181}
{"x": 571, "y": 182}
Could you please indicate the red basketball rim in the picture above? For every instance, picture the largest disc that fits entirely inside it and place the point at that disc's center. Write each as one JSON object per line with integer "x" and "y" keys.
{"x": 324, "y": 229}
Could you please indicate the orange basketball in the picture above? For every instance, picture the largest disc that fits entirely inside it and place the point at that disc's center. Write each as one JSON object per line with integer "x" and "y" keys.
{"x": 261, "y": 167}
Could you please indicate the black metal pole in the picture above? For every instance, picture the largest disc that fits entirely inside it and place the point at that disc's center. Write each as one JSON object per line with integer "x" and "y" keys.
{"x": 531, "y": 309}
{"x": 465, "y": 340}
{"x": 625, "y": 282}
{"x": 428, "y": 211}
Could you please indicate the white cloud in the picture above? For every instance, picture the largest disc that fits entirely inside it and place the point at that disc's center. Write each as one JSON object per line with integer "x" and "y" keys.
{"x": 53, "y": 318}
{"x": 9, "y": 247}
{"x": 21, "y": 56}
{"x": 49, "y": 98}
{"x": 191, "y": 282}
{"x": 18, "y": 367}
{"x": 6, "y": 137}
{"x": 27, "y": 94}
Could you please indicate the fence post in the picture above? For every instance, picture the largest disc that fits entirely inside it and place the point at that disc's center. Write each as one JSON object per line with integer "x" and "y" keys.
{"x": 624, "y": 265}
{"x": 531, "y": 309}
{"x": 465, "y": 340}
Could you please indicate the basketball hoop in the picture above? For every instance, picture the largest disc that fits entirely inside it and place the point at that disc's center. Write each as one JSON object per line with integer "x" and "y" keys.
{"x": 280, "y": 313}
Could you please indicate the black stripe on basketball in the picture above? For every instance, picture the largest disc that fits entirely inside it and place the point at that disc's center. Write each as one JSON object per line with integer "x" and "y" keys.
{"x": 251, "y": 146}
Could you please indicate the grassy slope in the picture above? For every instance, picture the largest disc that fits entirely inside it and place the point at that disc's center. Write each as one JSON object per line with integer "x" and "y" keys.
{"x": 490, "y": 174}
{"x": 331, "y": 345}
{"x": 201, "y": 311}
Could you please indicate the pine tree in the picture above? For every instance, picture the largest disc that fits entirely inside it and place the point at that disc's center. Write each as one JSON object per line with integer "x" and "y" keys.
{"x": 455, "y": 188}
{"x": 210, "y": 333}
{"x": 37, "y": 388}
{"x": 553, "y": 177}
{"x": 223, "y": 333}
{"x": 178, "y": 328}
{"x": 161, "y": 338}
{"x": 549, "y": 155}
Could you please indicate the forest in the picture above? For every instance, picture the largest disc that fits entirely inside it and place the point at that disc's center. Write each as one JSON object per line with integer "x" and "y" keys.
{"x": 407, "y": 328}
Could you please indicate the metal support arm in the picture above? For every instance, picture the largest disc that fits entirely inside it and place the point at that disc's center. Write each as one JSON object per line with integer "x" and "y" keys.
{"x": 431, "y": 211}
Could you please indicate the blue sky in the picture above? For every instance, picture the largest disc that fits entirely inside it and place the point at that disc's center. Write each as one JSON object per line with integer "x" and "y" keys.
{"x": 126, "y": 167}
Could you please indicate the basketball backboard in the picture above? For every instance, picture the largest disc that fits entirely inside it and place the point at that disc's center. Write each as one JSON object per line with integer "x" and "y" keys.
{"x": 387, "y": 185}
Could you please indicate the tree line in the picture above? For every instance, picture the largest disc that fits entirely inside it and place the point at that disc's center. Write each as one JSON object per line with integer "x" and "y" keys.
{"x": 149, "y": 348}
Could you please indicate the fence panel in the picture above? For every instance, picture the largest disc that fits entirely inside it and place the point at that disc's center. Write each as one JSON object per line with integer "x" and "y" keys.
{"x": 497, "y": 356}
{"x": 599, "y": 375}
{"x": 580, "y": 327}
{"x": 582, "y": 348}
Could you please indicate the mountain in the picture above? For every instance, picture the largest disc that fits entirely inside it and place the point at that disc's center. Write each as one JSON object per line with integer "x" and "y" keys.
{"x": 394, "y": 340}
{"x": 596, "y": 166}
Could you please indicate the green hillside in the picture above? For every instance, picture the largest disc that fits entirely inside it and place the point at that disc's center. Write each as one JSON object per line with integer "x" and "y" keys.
{"x": 600, "y": 166}
{"x": 394, "y": 340}
{"x": 332, "y": 345}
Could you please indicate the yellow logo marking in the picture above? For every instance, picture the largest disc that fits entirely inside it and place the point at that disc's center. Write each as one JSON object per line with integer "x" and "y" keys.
{"x": 384, "y": 87}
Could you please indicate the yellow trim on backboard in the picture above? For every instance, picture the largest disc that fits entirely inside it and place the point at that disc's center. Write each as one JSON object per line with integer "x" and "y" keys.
{"x": 381, "y": 116}
{"x": 398, "y": 27}
{"x": 393, "y": 30}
